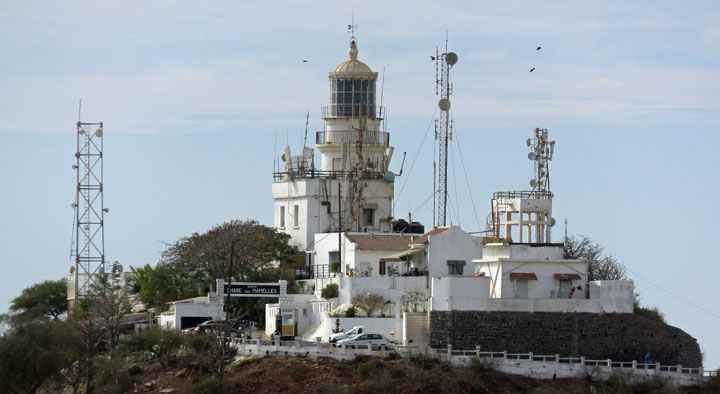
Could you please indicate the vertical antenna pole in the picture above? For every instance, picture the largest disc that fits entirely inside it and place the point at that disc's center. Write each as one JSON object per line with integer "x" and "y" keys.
{"x": 340, "y": 228}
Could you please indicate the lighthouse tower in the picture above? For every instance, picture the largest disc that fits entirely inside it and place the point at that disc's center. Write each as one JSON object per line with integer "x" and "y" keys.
{"x": 352, "y": 189}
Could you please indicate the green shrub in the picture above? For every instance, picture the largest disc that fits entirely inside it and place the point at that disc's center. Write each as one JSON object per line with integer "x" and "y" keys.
{"x": 211, "y": 385}
{"x": 135, "y": 370}
{"x": 335, "y": 267}
{"x": 394, "y": 356}
{"x": 295, "y": 369}
{"x": 712, "y": 385}
{"x": 364, "y": 369}
{"x": 330, "y": 291}
{"x": 350, "y": 312}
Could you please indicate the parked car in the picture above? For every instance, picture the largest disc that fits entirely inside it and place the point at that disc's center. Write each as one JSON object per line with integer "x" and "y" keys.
{"x": 347, "y": 334}
{"x": 372, "y": 339}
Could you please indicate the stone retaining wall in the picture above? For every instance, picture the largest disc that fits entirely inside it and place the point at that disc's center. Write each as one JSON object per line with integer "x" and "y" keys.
{"x": 616, "y": 336}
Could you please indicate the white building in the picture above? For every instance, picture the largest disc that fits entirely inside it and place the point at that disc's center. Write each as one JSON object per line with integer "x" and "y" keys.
{"x": 352, "y": 189}
{"x": 340, "y": 212}
{"x": 191, "y": 312}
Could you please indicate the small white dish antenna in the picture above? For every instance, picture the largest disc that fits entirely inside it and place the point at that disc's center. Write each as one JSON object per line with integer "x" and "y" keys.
{"x": 532, "y": 156}
{"x": 99, "y": 132}
{"x": 451, "y": 58}
{"x": 444, "y": 104}
{"x": 81, "y": 131}
{"x": 533, "y": 183}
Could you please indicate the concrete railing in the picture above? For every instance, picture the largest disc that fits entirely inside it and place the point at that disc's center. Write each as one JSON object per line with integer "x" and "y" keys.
{"x": 527, "y": 364}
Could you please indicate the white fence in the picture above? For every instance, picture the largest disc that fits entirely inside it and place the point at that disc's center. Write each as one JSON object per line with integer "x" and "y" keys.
{"x": 527, "y": 364}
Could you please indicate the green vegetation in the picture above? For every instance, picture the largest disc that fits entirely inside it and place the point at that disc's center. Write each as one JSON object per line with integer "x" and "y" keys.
{"x": 330, "y": 291}
{"x": 45, "y": 299}
{"x": 369, "y": 302}
{"x": 211, "y": 385}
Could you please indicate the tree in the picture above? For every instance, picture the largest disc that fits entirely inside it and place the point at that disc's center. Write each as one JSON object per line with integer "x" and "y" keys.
{"x": 205, "y": 257}
{"x": 45, "y": 299}
{"x": 34, "y": 352}
{"x": 369, "y": 302}
{"x": 96, "y": 319}
{"x": 163, "y": 283}
{"x": 601, "y": 266}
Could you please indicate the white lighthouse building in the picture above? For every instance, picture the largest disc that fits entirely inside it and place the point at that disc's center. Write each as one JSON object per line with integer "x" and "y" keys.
{"x": 352, "y": 189}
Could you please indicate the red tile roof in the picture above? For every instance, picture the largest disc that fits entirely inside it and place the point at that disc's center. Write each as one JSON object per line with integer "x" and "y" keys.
{"x": 424, "y": 238}
{"x": 380, "y": 243}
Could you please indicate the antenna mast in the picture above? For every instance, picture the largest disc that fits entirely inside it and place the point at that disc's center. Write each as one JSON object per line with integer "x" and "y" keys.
{"x": 89, "y": 251}
{"x": 541, "y": 152}
{"x": 443, "y": 128}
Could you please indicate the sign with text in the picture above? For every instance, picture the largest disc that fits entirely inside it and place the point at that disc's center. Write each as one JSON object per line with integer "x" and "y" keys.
{"x": 238, "y": 289}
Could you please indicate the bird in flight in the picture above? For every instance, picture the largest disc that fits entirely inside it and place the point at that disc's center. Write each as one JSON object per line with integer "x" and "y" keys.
{"x": 538, "y": 48}
{"x": 305, "y": 61}
{"x": 532, "y": 69}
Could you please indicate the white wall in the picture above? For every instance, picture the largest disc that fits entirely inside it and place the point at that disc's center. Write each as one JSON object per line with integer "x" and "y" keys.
{"x": 385, "y": 326}
{"x": 546, "y": 285}
{"x": 461, "y": 293}
{"x": 453, "y": 244}
{"x": 171, "y": 320}
{"x": 615, "y": 295}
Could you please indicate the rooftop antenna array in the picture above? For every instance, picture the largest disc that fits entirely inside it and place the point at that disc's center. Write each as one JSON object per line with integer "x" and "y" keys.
{"x": 541, "y": 152}
{"x": 89, "y": 230}
{"x": 443, "y": 126}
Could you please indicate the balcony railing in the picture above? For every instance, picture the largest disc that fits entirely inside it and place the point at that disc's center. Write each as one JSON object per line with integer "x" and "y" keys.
{"x": 312, "y": 174}
{"x": 354, "y": 111}
{"x": 352, "y": 137}
{"x": 523, "y": 194}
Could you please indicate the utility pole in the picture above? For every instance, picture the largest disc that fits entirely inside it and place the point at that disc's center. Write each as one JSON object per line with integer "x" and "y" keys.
{"x": 339, "y": 228}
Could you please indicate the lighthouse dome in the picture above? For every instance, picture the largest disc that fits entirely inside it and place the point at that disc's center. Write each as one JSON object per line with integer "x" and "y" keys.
{"x": 353, "y": 67}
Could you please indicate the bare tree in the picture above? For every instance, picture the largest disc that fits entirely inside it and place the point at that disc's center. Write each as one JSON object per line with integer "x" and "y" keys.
{"x": 369, "y": 302}
{"x": 413, "y": 301}
{"x": 96, "y": 318}
{"x": 601, "y": 266}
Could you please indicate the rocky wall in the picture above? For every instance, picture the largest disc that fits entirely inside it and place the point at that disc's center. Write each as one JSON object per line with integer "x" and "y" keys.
{"x": 615, "y": 336}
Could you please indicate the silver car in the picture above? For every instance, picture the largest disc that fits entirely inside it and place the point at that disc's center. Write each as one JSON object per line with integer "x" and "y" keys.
{"x": 373, "y": 340}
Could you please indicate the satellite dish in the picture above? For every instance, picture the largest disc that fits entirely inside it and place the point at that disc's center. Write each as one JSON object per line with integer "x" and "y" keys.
{"x": 307, "y": 152}
{"x": 533, "y": 183}
{"x": 451, "y": 58}
{"x": 552, "y": 222}
{"x": 444, "y": 104}
{"x": 389, "y": 177}
{"x": 81, "y": 131}
{"x": 99, "y": 132}
{"x": 282, "y": 157}
{"x": 532, "y": 155}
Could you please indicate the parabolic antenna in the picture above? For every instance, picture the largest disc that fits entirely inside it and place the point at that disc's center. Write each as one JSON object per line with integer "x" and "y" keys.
{"x": 533, "y": 183}
{"x": 389, "y": 177}
{"x": 451, "y": 58}
{"x": 552, "y": 222}
{"x": 532, "y": 155}
{"x": 98, "y": 132}
{"x": 444, "y": 104}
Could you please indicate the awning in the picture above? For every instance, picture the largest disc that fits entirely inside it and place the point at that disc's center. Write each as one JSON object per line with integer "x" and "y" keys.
{"x": 399, "y": 256}
{"x": 523, "y": 276}
{"x": 567, "y": 276}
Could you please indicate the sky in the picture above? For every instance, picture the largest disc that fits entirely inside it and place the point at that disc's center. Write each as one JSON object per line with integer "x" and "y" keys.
{"x": 197, "y": 98}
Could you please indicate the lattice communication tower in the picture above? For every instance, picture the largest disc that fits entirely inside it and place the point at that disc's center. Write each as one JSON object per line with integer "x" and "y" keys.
{"x": 443, "y": 126}
{"x": 541, "y": 152}
{"x": 89, "y": 230}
